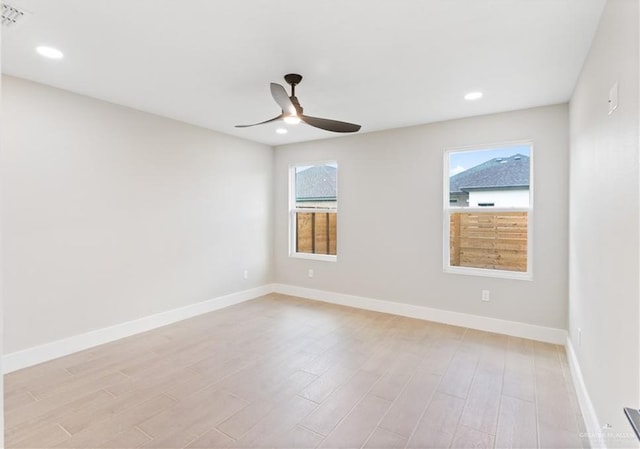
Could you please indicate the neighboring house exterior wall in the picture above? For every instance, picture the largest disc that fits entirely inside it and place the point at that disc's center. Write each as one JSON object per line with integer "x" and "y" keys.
{"x": 500, "y": 198}
{"x": 317, "y": 204}
{"x": 459, "y": 199}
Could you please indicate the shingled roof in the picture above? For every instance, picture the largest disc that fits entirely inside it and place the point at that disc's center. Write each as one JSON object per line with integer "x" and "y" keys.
{"x": 316, "y": 183}
{"x": 497, "y": 173}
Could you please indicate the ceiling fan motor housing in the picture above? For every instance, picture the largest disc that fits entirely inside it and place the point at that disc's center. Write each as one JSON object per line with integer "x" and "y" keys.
{"x": 293, "y": 79}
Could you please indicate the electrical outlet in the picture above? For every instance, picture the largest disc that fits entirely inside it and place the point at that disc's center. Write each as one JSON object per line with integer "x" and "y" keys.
{"x": 245, "y": 274}
{"x": 310, "y": 273}
{"x": 486, "y": 295}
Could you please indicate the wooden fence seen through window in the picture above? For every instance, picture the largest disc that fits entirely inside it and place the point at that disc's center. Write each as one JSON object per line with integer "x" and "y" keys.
{"x": 494, "y": 240}
{"x": 316, "y": 232}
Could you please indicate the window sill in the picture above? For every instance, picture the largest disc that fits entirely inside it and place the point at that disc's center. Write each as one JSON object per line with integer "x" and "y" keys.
{"x": 483, "y": 272}
{"x": 324, "y": 257}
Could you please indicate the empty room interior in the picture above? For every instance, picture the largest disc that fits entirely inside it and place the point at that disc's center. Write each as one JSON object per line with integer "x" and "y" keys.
{"x": 338, "y": 224}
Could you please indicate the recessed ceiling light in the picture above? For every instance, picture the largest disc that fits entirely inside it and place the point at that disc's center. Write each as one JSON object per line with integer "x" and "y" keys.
{"x": 282, "y": 131}
{"x": 49, "y": 52}
{"x": 473, "y": 96}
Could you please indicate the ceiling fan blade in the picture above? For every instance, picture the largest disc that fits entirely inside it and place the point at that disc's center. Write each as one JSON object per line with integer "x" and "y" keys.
{"x": 261, "y": 123}
{"x": 330, "y": 125}
{"x": 280, "y": 95}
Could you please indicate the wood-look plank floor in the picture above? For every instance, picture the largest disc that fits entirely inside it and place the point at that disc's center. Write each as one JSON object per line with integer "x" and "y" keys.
{"x": 281, "y": 372}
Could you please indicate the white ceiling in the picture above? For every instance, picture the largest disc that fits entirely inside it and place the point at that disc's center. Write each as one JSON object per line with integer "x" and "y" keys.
{"x": 380, "y": 63}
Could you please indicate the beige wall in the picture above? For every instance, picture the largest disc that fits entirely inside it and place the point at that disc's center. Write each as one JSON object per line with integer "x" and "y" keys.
{"x": 604, "y": 253}
{"x": 111, "y": 214}
{"x": 1, "y": 283}
{"x": 390, "y": 221}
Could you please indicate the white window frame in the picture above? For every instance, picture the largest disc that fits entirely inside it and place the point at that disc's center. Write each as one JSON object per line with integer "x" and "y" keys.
{"x": 448, "y": 209}
{"x": 293, "y": 210}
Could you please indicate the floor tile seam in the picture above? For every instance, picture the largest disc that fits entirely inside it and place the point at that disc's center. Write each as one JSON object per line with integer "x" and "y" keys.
{"x": 424, "y": 410}
{"x": 393, "y": 402}
{"x": 272, "y": 406}
{"x": 139, "y": 429}
{"x": 499, "y": 405}
{"x": 354, "y": 406}
{"x": 436, "y": 389}
{"x": 111, "y": 417}
{"x": 64, "y": 429}
{"x": 566, "y": 385}
{"x": 535, "y": 397}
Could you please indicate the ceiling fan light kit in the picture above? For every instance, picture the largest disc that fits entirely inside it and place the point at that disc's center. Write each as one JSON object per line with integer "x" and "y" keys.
{"x": 292, "y": 119}
{"x": 292, "y": 111}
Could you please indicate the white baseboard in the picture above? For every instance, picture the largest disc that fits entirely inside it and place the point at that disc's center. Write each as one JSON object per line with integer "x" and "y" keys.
{"x": 513, "y": 328}
{"x": 59, "y": 348}
{"x": 586, "y": 406}
{"x": 49, "y": 351}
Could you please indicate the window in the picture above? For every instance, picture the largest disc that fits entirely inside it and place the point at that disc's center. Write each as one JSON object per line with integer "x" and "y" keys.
{"x": 488, "y": 205}
{"x": 313, "y": 207}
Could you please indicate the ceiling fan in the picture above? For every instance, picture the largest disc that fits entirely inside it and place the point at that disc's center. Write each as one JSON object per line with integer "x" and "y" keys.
{"x": 292, "y": 111}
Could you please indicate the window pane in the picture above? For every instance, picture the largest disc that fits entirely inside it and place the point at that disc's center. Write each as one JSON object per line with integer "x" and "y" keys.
{"x": 489, "y": 240}
{"x": 490, "y": 178}
{"x": 314, "y": 195}
{"x": 316, "y": 186}
{"x": 316, "y": 233}
{"x": 304, "y": 233}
